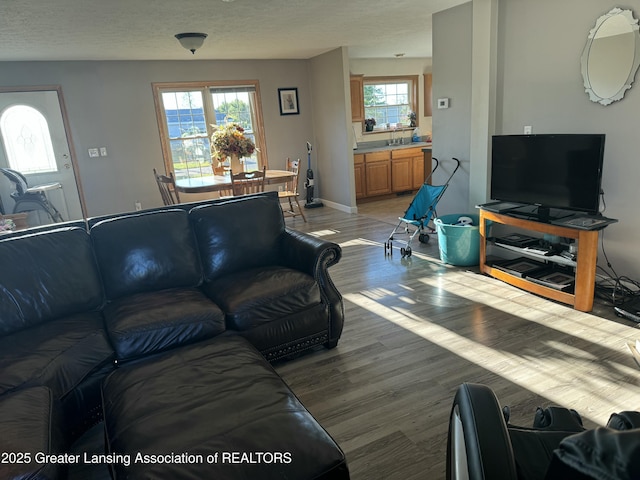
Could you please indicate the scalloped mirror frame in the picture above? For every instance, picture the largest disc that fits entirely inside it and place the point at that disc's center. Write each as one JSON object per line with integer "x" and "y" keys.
{"x": 635, "y": 62}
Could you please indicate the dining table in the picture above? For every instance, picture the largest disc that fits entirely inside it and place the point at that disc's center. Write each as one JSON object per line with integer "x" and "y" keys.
{"x": 215, "y": 183}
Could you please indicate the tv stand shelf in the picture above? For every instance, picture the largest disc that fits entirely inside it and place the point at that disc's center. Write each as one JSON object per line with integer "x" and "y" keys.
{"x": 585, "y": 275}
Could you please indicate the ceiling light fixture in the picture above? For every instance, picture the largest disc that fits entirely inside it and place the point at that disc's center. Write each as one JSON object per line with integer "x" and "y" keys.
{"x": 191, "y": 41}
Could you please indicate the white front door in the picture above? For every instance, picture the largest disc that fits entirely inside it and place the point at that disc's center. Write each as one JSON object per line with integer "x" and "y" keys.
{"x": 66, "y": 199}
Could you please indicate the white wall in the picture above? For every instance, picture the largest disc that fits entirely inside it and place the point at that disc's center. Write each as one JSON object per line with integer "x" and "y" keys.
{"x": 333, "y": 152}
{"x": 111, "y": 104}
{"x": 539, "y": 83}
{"x": 451, "y": 126}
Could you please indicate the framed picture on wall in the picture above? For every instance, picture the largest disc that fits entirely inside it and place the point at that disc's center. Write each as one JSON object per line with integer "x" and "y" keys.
{"x": 288, "y": 101}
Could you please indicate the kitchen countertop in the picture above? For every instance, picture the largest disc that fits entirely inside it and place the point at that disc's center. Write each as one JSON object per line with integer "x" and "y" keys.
{"x": 423, "y": 145}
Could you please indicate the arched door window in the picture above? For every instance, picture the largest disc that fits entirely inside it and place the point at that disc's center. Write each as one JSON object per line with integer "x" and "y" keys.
{"x": 27, "y": 140}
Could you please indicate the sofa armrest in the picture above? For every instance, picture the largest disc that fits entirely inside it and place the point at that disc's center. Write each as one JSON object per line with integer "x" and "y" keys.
{"x": 314, "y": 256}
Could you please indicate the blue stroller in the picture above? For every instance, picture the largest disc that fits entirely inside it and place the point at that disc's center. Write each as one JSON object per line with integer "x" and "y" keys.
{"x": 421, "y": 211}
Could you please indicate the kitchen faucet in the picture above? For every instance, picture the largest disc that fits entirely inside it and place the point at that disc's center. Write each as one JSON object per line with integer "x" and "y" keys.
{"x": 394, "y": 140}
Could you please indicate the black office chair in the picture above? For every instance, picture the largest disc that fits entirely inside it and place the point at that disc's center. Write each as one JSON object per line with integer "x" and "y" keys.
{"x": 482, "y": 445}
{"x": 29, "y": 199}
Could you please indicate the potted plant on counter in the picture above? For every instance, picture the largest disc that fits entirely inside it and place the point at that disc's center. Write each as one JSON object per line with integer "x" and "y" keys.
{"x": 369, "y": 123}
{"x": 412, "y": 119}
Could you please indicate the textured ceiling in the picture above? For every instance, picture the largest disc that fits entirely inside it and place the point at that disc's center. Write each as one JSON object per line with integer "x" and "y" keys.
{"x": 242, "y": 29}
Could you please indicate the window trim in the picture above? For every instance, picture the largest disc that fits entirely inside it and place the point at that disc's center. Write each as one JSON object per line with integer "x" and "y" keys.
{"x": 413, "y": 92}
{"x": 161, "y": 87}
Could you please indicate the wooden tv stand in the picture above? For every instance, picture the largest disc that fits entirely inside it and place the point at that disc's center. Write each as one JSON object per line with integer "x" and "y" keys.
{"x": 585, "y": 265}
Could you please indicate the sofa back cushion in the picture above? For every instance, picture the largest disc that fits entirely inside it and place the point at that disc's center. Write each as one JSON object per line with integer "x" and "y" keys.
{"x": 146, "y": 252}
{"x": 47, "y": 275}
{"x": 239, "y": 234}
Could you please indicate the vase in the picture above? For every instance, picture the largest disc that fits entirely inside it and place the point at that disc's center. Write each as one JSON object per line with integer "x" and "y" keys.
{"x": 368, "y": 128}
{"x": 235, "y": 164}
{"x": 218, "y": 167}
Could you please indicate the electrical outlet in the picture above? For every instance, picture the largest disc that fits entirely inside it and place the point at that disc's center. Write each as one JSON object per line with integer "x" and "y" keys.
{"x": 528, "y": 130}
{"x": 138, "y": 206}
{"x": 93, "y": 153}
{"x": 103, "y": 151}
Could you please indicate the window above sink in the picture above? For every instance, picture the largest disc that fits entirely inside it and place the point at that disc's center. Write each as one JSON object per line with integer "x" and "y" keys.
{"x": 389, "y": 100}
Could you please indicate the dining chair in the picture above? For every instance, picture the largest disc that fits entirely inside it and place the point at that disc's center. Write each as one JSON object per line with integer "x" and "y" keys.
{"x": 167, "y": 187}
{"x": 290, "y": 192}
{"x": 245, "y": 183}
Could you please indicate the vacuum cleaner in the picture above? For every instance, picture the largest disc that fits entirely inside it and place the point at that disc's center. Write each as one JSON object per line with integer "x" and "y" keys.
{"x": 308, "y": 184}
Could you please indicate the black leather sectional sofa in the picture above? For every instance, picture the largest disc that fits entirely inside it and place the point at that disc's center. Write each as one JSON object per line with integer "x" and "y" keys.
{"x": 109, "y": 318}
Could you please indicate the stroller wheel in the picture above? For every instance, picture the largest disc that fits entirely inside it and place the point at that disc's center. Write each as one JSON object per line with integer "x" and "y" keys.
{"x": 407, "y": 251}
{"x": 403, "y": 252}
{"x": 423, "y": 238}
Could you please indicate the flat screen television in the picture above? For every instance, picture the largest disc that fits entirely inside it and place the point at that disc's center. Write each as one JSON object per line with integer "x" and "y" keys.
{"x": 560, "y": 171}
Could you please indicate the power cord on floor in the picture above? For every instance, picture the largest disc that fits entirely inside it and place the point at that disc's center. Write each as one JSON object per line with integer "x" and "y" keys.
{"x": 613, "y": 289}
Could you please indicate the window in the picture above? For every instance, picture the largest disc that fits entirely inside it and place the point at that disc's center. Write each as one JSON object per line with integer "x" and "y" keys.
{"x": 186, "y": 113}
{"x": 27, "y": 140}
{"x": 389, "y": 100}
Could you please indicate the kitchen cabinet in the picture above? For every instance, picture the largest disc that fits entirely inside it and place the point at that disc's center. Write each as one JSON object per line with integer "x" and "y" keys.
{"x": 377, "y": 167}
{"x": 421, "y": 168}
{"x": 392, "y": 170}
{"x": 401, "y": 174}
{"x": 428, "y": 97}
{"x": 357, "y": 96}
{"x": 410, "y": 166}
{"x": 359, "y": 175}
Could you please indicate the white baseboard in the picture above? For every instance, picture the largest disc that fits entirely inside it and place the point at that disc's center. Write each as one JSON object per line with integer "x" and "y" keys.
{"x": 339, "y": 206}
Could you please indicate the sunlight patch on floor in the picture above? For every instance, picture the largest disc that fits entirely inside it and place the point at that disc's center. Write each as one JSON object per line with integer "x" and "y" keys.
{"x": 509, "y": 299}
{"x": 324, "y": 233}
{"x": 548, "y": 372}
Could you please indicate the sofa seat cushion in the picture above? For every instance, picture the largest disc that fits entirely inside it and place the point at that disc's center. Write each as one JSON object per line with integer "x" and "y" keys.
{"x": 218, "y": 397}
{"x": 256, "y": 296}
{"x": 30, "y": 426}
{"x": 59, "y": 354}
{"x": 151, "y": 322}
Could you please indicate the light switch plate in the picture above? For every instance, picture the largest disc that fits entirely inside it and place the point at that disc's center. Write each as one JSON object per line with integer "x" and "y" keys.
{"x": 93, "y": 153}
{"x": 443, "y": 103}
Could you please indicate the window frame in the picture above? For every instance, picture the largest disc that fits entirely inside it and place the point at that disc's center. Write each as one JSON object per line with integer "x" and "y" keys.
{"x": 412, "y": 80}
{"x": 166, "y": 87}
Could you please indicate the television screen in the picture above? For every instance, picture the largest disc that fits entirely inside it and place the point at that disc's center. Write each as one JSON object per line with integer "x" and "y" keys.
{"x": 561, "y": 171}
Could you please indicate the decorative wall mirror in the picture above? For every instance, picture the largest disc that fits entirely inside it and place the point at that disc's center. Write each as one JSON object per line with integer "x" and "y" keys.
{"x": 611, "y": 56}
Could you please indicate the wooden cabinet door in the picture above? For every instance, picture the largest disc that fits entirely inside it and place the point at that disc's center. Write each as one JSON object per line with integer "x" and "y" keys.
{"x": 377, "y": 173}
{"x": 401, "y": 174}
{"x": 425, "y": 161}
{"x": 418, "y": 171}
{"x": 359, "y": 176}
{"x": 357, "y": 97}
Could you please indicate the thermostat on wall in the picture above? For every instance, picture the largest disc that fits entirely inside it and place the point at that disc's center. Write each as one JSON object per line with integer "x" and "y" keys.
{"x": 443, "y": 103}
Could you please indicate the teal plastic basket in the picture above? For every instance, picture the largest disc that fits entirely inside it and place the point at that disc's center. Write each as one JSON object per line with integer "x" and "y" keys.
{"x": 459, "y": 245}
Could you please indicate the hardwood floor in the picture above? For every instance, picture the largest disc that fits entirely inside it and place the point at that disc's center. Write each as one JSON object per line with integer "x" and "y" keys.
{"x": 415, "y": 329}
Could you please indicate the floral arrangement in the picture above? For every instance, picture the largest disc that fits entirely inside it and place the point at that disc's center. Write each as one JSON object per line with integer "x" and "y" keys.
{"x": 412, "y": 119}
{"x": 228, "y": 140}
{"x": 7, "y": 225}
{"x": 369, "y": 122}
